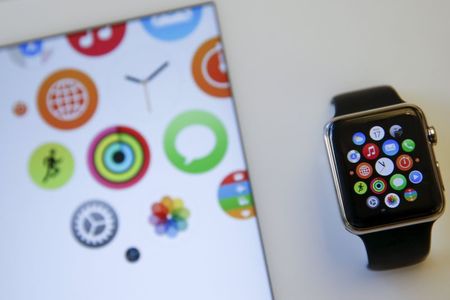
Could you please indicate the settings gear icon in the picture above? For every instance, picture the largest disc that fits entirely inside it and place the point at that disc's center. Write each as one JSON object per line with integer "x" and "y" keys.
{"x": 95, "y": 223}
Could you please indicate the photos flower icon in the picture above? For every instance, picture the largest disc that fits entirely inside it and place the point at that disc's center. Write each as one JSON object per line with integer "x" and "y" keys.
{"x": 169, "y": 216}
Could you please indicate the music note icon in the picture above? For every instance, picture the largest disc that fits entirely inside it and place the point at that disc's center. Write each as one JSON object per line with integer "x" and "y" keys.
{"x": 97, "y": 41}
{"x": 371, "y": 151}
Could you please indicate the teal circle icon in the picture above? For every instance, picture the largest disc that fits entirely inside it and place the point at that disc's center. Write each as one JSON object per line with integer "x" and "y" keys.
{"x": 195, "y": 141}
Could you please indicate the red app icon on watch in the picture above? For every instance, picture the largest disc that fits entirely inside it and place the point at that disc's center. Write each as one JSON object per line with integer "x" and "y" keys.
{"x": 404, "y": 162}
{"x": 371, "y": 151}
{"x": 97, "y": 41}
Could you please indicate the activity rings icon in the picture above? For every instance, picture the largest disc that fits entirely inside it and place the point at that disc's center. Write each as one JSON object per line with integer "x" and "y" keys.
{"x": 119, "y": 157}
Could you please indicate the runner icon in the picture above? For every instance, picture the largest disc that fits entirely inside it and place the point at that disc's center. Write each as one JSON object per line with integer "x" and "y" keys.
{"x": 52, "y": 164}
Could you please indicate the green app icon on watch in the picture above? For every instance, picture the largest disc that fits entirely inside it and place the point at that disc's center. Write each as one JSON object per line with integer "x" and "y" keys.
{"x": 195, "y": 141}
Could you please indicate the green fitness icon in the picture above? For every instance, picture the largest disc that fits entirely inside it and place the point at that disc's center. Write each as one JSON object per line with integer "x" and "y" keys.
{"x": 195, "y": 141}
{"x": 51, "y": 166}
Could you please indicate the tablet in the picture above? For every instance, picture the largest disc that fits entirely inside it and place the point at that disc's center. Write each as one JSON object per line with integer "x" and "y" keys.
{"x": 124, "y": 175}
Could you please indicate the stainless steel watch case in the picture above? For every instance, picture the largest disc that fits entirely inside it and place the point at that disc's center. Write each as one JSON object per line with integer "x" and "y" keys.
{"x": 431, "y": 141}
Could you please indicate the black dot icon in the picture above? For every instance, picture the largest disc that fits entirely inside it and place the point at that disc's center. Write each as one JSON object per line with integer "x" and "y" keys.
{"x": 132, "y": 255}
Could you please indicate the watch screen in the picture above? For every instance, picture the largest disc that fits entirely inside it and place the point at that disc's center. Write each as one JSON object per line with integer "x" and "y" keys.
{"x": 385, "y": 168}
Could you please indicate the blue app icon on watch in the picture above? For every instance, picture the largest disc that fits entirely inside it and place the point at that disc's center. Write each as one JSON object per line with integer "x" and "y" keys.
{"x": 173, "y": 25}
{"x": 390, "y": 147}
{"x": 359, "y": 138}
{"x": 31, "y": 48}
{"x": 415, "y": 177}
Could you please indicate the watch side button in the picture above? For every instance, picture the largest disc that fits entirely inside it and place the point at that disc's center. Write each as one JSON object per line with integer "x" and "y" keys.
{"x": 432, "y": 135}
{"x": 440, "y": 176}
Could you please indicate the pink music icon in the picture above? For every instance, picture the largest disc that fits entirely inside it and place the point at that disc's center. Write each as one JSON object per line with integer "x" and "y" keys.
{"x": 371, "y": 151}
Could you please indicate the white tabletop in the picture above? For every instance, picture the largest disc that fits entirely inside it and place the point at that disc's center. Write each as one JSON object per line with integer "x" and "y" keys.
{"x": 287, "y": 59}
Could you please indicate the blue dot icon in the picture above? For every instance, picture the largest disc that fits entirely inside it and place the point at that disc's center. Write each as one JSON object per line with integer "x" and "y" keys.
{"x": 359, "y": 138}
{"x": 173, "y": 25}
{"x": 31, "y": 48}
{"x": 390, "y": 147}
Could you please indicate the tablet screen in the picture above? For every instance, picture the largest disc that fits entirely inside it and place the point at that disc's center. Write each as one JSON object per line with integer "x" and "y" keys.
{"x": 123, "y": 170}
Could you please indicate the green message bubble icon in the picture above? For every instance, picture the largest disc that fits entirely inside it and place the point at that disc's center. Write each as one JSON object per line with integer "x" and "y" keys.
{"x": 195, "y": 141}
{"x": 51, "y": 166}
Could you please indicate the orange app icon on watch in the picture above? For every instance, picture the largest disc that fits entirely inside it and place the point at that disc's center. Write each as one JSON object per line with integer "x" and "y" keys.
{"x": 67, "y": 99}
{"x": 210, "y": 70}
{"x": 404, "y": 162}
{"x": 364, "y": 170}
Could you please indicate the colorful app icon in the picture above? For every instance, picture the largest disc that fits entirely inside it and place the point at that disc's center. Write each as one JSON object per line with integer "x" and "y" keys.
{"x": 378, "y": 185}
{"x": 384, "y": 166}
{"x": 372, "y": 202}
{"x": 398, "y": 182}
{"x": 195, "y": 141}
{"x": 51, "y": 166}
{"x": 20, "y": 108}
{"x": 370, "y": 151}
{"x": 415, "y": 177}
{"x": 404, "y": 162}
{"x": 145, "y": 81}
{"x": 376, "y": 133}
{"x": 67, "y": 99}
{"x": 31, "y": 54}
{"x": 408, "y": 145}
{"x": 97, "y": 41}
{"x": 169, "y": 216}
{"x": 95, "y": 224}
{"x": 360, "y": 187}
{"x": 392, "y": 200}
{"x": 390, "y": 147}
{"x": 396, "y": 131}
{"x": 173, "y": 25}
{"x": 118, "y": 157}
{"x": 410, "y": 195}
{"x": 359, "y": 138}
{"x": 353, "y": 156}
{"x": 210, "y": 70}
{"x": 364, "y": 170}
{"x": 235, "y": 196}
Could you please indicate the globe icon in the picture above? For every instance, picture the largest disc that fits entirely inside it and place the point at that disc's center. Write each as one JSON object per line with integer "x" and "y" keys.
{"x": 67, "y": 99}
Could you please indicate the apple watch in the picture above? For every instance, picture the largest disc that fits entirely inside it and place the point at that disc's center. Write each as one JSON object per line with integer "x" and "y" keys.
{"x": 386, "y": 176}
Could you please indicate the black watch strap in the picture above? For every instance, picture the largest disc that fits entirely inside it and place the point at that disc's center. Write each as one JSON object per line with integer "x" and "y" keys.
{"x": 365, "y": 99}
{"x": 398, "y": 247}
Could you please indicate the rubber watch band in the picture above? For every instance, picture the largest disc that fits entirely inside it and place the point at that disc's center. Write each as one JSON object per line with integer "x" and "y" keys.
{"x": 365, "y": 99}
{"x": 398, "y": 247}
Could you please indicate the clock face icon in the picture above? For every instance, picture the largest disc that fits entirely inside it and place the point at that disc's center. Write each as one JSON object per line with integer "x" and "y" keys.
{"x": 384, "y": 166}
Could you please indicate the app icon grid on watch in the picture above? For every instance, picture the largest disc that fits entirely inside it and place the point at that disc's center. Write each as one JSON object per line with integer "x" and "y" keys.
{"x": 383, "y": 166}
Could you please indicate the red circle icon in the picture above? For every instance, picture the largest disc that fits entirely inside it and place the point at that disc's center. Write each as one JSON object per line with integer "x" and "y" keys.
{"x": 371, "y": 151}
{"x": 20, "y": 108}
{"x": 364, "y": 170}
{"x": 378, "y": 185}
{"x": 404, "y": 162}
{"x": 97, "y": 41}
{"x": 209, "y": 69}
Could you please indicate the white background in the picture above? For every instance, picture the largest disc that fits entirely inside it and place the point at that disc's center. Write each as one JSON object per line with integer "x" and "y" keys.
{"x": 287, "y": 59}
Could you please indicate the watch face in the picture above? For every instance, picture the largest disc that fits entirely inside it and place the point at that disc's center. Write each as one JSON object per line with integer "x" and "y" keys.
{"x": 385, "y": 168}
